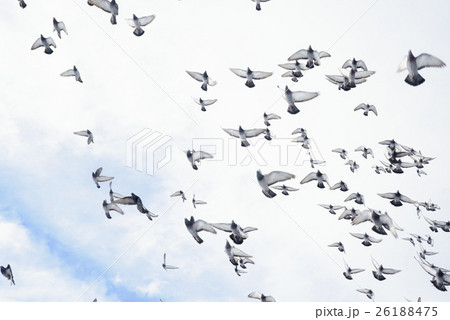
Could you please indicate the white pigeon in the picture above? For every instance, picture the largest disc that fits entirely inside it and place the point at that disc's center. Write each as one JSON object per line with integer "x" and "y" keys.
{"x": 292, "y": 97}
{"x": 244, "y": 134}
{"x": 195, "y": 226}
{"x": 72, "y": 73}
{"x": 414, "y": 64}
{"x": 86, "y": 133}
{"x": 44, "y": 42}
{"x": 195, "y": 156}
{"x": 203, "y": 78}
{"x": 204, "y": 103}
{"x": 167, "y": 266}
{"x": 250, "y": 75}
{"x": 271, "y": 178}
{"x": 138, "y": 23}
{"x": 110, "y": 7}
{"x": 59, "y": 26}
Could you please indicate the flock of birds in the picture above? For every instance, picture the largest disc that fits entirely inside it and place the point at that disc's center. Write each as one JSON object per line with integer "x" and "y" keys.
{"x": 352, "y": 73}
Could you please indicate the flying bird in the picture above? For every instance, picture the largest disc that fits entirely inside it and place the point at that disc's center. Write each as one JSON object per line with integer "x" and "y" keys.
{"x": 86, "y": 133}
{"x": 238, "y": 234}
{"x": 107, "y": 207}
{"x": 380, "y": 270}
{"x": 7, "y": 273}
{"x": 203, "y": 78}
{"x": 270, "y": 116}
{"x": 353, "y": 165}
{"x": 44, "y": 42}
{"x": 341, "y": 185}
{"x": 379, "y": 220}
{"x": 195, "y": 202}
{"x": 365, "y": 151}
{"x": 397, "y": 198}
{"x": 366, "y": 107}
{"x": 331, "y": 209}
{"x": 349, "y": 214}
{"x": 367, "y": 240}
{"x": 260, "y": 296}
{"x": 138, "y": 23}
{"x": 96, "y": 176}
{"x": 295, "y": 70}
{"x": 244, "y": 134}
{"x": 271, "y": 178}
{"x": 338, "y": 245}
{"x": 313, "y": 56}
{"x": 319, "y": 176}
{"x": 137, "y": 201}
{"x": 342, "y": 152}
{"x": 349, "y": 271}
{"x": 167, "y": 266}
{"x": 195, "y": 156}
{"x": 204, "y": 103}
{"x": 250, "y": 75}
{"x": 285, "y": 189}
{"x": 368, "y": 292}
{"x": 110, "y": 7}
{"x": 414, "y": 64}
{"x": 195, "y": 226}
{"x": 355, "y": 64}
{"x": 59, "y": 26}
{"x": 179, "y": 194}
{"x": 233, "y": 253}
{"x": 359, "y": 198}
{"x": 292, "y": 97}
{"x": 72, "y": 73}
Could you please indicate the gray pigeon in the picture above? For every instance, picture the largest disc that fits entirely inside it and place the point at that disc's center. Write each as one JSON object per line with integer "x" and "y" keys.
{"x": 297, "y": 96}
{"x": 313, "y": 56}
{"x": 7, "y": 273}
{"x": 414, "y": 64}
{"x": 349, "y": 271}
{"x": 285, "y": 189}
{"x": 359, "y": 198}
{"x": 44, "y": 42}
{"x": 250, "y": 75}
{"x": 367, "y": 240}
{"x": 244, "y": 134}
{"x": 271, "y": 178}
{"x": 368, "y": 292}
{"x": 59, "y": 26}
{"x": 270, "y": 116}
{"x": 167, "y": 266}
{"x": 396, "y": 198}
{"x": 138, "y": 23}
{"x": 366, "y": 107}
{"x": 110, "y": 7}
{"x": 203, "y": 78}
{"x": 365, "y": 151}
{"x": 86, "y": 133}
{"x": 137, "y": 201}
{"x": 379, "y": 220}
{"x": 238, "y": 234}
{"x": 179, "y": 194}
{"x": 338, "y": 245}
{"x": 72, "y": 73}
{"x": 107, "y": 207}
{"x": 204, "y": 103}
{"x": 195, "y": 202}
{"x": 260, "y": 296}
{"x": 195, "y": 226}
{"x": 195, "y": 156}
{"x": 331, "y": 209}
{"x": 319, "y": 176}
{"x": 380, "y": 270}
{"x": 295, "y": 70}
{"x": 355, "y": 64}
{"x": 342, "y": 152}
{"x": 96, "y": 176}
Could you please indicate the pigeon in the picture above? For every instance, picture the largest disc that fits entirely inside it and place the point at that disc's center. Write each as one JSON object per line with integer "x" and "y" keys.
{"x": 195, "y": 156}
{"x": 319, "y": 176}
{"x": 367, "y": 240}
{"x": 258, "y": 4}
{"x": 397, "y": 166}
{"x": 86, "y": 133}
{"x": 379, "y": 220}
{"x": 72, "y": 73}
{"x": 297, "y": 96}
{"x": 341, "y": 185}
{"x": 96, "y": 176}
{"x": 204, "y": 103}
{"x": 271, "y": 178}
{"x": 349, "y": 214}
{"x": 7, "y": 273}
{"x": 418, "y": 238}
{"x": 313, "y": 56}
{"x": 111, "y": 206}
{"x": 195, "y": 202}
{"x": 250, "y": 75}
{"x": 22, "y": 4}
{"x": 366, "y": 107}
{"x": 260, "y": 296}
{"x": 397, "y": 198}
{"x": 414, "y": 64}
{"x": 440, "y": 277}
{"x": 304, "y": 140}
{"x": 268, "y": 135}
{"x": 353, "y": 165}
{"x": 295, "y": 70}
{"x": 302, "y": 132}
{"x": 239, "y": 271}
{"x": 342, "y": 152}
{"x": 244, "y": 134}
{"x": 113, "y": 195}
{"x": 59, "y": 26}
{"x": 380, "y": 270}
{"x": 359, "y": 198}
{"x": 349, "y": 271}
{"x": 238, "y": 234}
{"x": 346, "y": 81}
{"x": 167, "y": 266}
{"x": 430, "y": 240}
{"x": 110, "y": 7}
{"x": 338, "y": 245}
{"x": 368, "y": 292}
{"x": 355, "y": 65}
{"x": 203, "y": 78}
{"x": 179, "y": 194}
{"x": 429, "y": 206}
{"x": 365, "y": 151}
{"x": 243, "y": 261}
{"x": 138, "y": 23}
{"x": 135, "y": 200}
{"x": 433, "y": 224}
{"x": 270, "y": 116}
{"x": 233, "y": 252}
{"x": 331, "y": 209}
{"x": 95, "y": 300}
{"x": 421, "y": 172}
{"x": 391, "y": 144}
{"x": 195, "y": 226}
{"x": 379, "y": 169}
{"x": 311, "y": 160}
{"x": 411, "y": 240}
{"x": 44, "y": 42}
{"x": 285, "y": 189}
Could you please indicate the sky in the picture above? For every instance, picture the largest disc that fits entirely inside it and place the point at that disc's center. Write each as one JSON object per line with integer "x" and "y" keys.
{"x": 53, "y": 231}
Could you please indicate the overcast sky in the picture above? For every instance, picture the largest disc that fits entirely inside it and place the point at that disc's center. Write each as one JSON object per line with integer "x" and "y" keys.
{"x": 53, "y": 231}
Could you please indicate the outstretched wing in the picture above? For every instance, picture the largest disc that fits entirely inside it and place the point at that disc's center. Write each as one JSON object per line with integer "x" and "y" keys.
{"x": 68, "y": 73}
{"x": 196, "y": 75}
{"x": 239, "y": 72}
{"x": 278, "y": 176}
{"x": 222, "y": 226}
{"x": 427, "y": 60}
{"x": 201, "y": 225}
{"x": 258, "y": 75}
{"x": 300, "y": 96}
{"x": 143, "y": 21}
{"x": 199, "y": 155}
{"x": 253, "y": 132}
{"x": 232, "y": 132}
